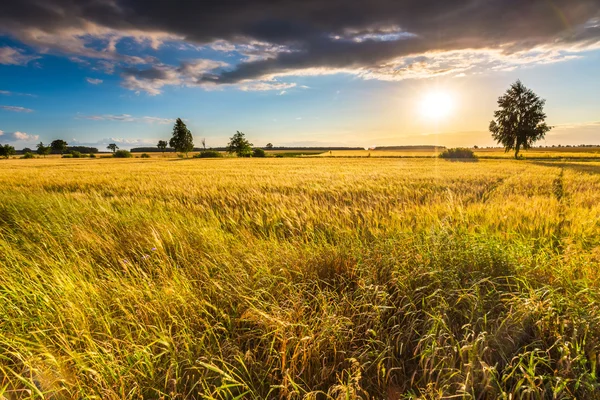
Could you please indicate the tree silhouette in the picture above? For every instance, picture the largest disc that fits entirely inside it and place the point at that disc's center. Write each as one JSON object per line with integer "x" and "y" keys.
{"x": 269, "y": 146}
{"x": 162, "y": 145}
{"x": 182, "y": 140}
{"x": 113, "y": 147}
{"x": 59, "y": 146}
{"x": 520, "y": 120}
{"x": 6, "y": 151}
{"x": 43, "y": 150}
{"x": 239, "y": 145}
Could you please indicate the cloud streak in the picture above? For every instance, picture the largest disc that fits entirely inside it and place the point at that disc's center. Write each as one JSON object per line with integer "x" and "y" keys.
{"x": 127, "y": 118}
{"x": 94, "y": 81}
{"x": 16, "y": 109}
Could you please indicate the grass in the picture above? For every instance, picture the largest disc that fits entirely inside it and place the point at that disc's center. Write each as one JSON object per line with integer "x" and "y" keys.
{"x": 300, "y": 278}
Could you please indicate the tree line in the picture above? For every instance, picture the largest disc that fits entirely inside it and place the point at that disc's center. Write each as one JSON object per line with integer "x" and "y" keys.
{"x": 518, "y": 123}
{"x": 182, "y": 141}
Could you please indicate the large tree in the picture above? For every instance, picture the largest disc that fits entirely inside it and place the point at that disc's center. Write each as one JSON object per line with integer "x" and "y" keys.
{"x": 182, "y": 140}
{"x": 43, "y": 150}
{"x": 6, "y": 151}
{"x": 113, "y": 147}
{"x": 58, "y": 146}
{"x": 519, "y": 122}
{"x": 239, "y": 145}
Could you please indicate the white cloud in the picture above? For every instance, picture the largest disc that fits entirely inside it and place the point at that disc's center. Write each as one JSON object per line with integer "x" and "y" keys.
{"x": 265, "y": 85}
{"x": 94, "y": 81}
{"x": 18, "y": 136}
{"x": 13, "y": 56}
{"x": 16, "y": 109}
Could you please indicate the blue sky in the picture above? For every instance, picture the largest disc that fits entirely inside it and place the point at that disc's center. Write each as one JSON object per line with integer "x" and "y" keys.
{"x": 92, "y": 84}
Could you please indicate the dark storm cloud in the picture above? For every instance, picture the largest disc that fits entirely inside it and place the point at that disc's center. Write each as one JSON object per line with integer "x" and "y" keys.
{"x": 317, "y": 33}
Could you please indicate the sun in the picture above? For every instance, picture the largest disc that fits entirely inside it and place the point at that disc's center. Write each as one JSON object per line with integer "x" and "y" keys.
{"x": 436, "y": 105}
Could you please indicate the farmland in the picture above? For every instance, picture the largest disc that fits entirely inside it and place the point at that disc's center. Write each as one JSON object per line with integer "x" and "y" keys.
{"x": 313, "y": 277}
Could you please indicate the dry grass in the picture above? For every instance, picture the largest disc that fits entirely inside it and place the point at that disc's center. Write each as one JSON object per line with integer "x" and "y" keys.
{"x": 299, "y": 278}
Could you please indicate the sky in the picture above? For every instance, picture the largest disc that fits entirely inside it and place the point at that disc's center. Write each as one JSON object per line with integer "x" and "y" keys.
{"x": 294, "y": 72}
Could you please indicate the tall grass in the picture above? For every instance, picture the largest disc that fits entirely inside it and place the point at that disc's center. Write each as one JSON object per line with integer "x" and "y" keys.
{"x": 299, "y": 279}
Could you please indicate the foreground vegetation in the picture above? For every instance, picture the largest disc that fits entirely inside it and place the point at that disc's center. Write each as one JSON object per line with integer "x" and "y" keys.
{"x": 315, "y": 278}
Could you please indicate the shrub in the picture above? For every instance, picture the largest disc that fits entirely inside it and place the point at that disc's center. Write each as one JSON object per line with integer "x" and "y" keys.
{"x": 458, "y": 152}
{"x": 67, "y": 156}
{"x": 122, "y": 154}
{"x": 259, "y": 153}
{"x": 28, "y": 154}
{"x": 75, "y": 154}
{"x": 145, "y": 155}
{"x": 209, "y": 154}
{"x": 92, "y": 155}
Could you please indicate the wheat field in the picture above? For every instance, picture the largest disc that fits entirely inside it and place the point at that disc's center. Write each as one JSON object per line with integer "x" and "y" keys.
{"x": 299, "y": 278}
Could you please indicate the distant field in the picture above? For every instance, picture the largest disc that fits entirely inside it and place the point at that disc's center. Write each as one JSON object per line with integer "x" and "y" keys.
{"x": 574, "y": 152}
{"x": 299, "y": 278}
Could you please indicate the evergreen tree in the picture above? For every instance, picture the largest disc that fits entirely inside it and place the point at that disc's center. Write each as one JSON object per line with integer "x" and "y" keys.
{"x": 182, "y": 140}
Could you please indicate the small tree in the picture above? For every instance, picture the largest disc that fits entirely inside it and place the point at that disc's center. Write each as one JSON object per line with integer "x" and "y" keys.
{"x": 162, "y": 146}
{"x": 26, "y": 150}
{"x": 58, "y": 146}
{"x": 239, "y": 145}
{"x": 7, "y": 151}
{"x": 520, "y": 120}
{"x": 182, "y": 140}
{"x": 112, "y": 147}
{"x": 43, "y": 150}
{"x": 269, "y": 146}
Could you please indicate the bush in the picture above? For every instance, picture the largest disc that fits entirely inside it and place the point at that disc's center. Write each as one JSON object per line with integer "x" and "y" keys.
{"x": 92, "y": 155}
{"x": 259, "y": 153}
{"x": 75, "y": 154}
{"x": 28, "y": 154}
{"x": 122, "y": 154}
{"x": 209, "y": 154}
{"x": 458, "y": 152}
{"x": 145, "y": 155}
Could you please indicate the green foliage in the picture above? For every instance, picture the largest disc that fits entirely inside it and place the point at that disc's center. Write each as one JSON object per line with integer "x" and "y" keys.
{"x": 75, "y": 154}
{"x": 162, "y": 145}
{"x": 58, "y": 146}
{"x": 519, "y": 122}
{"x": 27, "y": 155}
{"x": 112, "y": 147}
{"x": 92, "y": 155}
{"x": 68, "y": 155}
{"x": 6, "y": 151}
{"x": 27, "y": 150}
{"x": 145, "y": 155}
{"x": 239, "y": 145}
{"x": 43, "y": 150}
{"x": 122, "y": 154}
{"x": 209, "y": 154}
{"x": 269, "y": 146}
{"x": 458, "y": 152}
{"x": 259, "y": 153}
{"x": 182, "y": 140}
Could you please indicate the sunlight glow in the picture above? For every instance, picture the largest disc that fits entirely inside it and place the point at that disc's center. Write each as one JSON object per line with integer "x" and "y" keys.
{"x": 436, "y": 105}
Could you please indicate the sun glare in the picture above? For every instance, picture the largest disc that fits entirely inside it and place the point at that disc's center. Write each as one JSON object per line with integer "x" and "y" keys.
{"x": 436, "y": 105}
